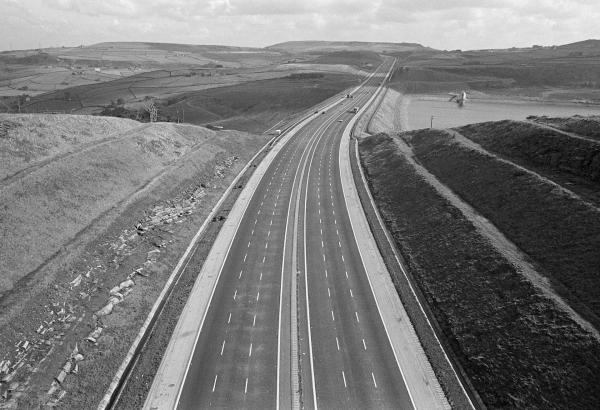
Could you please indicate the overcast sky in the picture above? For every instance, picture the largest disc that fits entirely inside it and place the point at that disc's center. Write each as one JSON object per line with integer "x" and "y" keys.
{"x": 442, "y": 24}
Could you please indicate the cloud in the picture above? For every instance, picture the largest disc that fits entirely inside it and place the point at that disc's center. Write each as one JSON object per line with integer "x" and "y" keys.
{"x": 445, "y": 24}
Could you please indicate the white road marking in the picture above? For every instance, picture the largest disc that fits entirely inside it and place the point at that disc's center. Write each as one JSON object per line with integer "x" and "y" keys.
{"x": 343, "y": 258}
{"x": 328, "y": 292}
{"x": 254, "y": 321}
{"x": 234, "y": 294}
{"x": 257, "y": 295}
{"x": 245, "y": 256}
{"x": 351, "y": 295}
{"x": 229, "y": 319}
{"x": 264, "y": 257}
{"x": 325, "y": 272}
{"x": 252, "y": 232}
{"x": 337, "y": 342}
{"x": 256, "y": 220}
{"x": 215, "y": 382}
{"x": 260, "y": 277}
{"x": 266, "y": 245}
{"x": 364, "y": 344}
{"x": 339, "y": 244}
{"x": 374, "y": 382}
{"x": 332, "y": 316}
{"x": 356, "y": 314}
{"x": 258, "y": 213}
{"x": 250, "y": 351}
{"x": 246, "y": 386}
{"x": 271, "y": 223}
{"x": 344, "y": 377}
{"x": 222, "y": 347}
{"x": 249, "y": 243}
{"x": 346, "y": 274}
{"x": 240, "y": 275}
{"x": 323, "y": 256}
{"x": 322, "y": 244}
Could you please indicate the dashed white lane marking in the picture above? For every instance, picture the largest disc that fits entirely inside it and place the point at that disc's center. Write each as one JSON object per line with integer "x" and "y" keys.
{"x": 249, "y": 243}
{"x": 337, "y": 342}
{"x": 229, "y": 319}
{"x": 266, "y": 245}
{"x": 346, "y": 274}
{"x": 325, "y": 272}
{"x": 332, "y": 316}
{"x": 323, "y": 256}
{"x": 235, "y": 294}
{"x": 335, "y": 221}
{"x": 254, "y": 321}
{"x": 245, "y": 256}
{"x": 271, "y": 223}
{"x": 246, "y": 386}
{"x": 215, "y": 382}
{"x": 328, "y": 292}
{"x": 252, "y": 232}
{"x": 322, "y": 244}
{"x": 364, "y": 344}
{"x": 320, "y": 221}
{"x": 373, "y": 377}
{"x": 343, "y": 258}
{"x": 356, "y": 314}
{"x": 240, "y": 275}
{"x": 258, "y": 213}
{"x": 250, "y": 351}
{"x": 351, "y": 294}
{"x": 344, "y": 377}
{"x": 257, "y": 296}
{"x": 260, "y": 277}
{"x": 264, "y": 257}
{"x": 223, "y": 347}
{"x": 339, "y": 244}
{"x": 255, "y": 221}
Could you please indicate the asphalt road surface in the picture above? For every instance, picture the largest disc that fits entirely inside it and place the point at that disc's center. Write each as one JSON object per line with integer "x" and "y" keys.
{"x": 242, "y": 356}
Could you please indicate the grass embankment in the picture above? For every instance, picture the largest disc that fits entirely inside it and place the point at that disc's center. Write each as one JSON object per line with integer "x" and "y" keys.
{"x": 559, "y": 232}
{"x": 584, "y": 126}
{"x": 360, "y": 58}
{"x": 46, "y": 208}
{"x": 70, "y": 236}
{"x": 572, "y": 162}
{"x": 518, "y": 349}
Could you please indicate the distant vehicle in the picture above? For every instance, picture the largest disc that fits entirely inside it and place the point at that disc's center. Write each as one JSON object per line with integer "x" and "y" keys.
{"x": 355, "y": 110}
{"x": 460, "y": 98}
{"x": 323, "y": 112}
{"x": 214, "y": 127}
{"x": 339, "y": 120}
{"x": 349, "y": 96}
{"x": 276, "y": 132}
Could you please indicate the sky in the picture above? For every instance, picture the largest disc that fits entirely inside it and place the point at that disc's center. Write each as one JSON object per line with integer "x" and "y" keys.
{"x": 442, "y": 24}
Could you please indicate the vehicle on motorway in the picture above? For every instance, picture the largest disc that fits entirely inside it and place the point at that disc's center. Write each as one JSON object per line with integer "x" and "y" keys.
{"x": 355, "y": 110}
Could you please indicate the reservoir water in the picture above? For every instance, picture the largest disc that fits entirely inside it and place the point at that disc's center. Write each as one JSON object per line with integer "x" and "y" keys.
{"x": 418, "y": 109}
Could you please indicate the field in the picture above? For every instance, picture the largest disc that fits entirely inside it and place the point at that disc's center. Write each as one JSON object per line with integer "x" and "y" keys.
{"x": 519, "y": 345}
{"x": 87, "y": 201}
{"x": 256, "y": 105}
{"x": 562, "y": 73}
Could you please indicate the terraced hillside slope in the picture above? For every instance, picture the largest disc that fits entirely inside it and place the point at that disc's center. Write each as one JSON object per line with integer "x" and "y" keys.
{"x": 500, "y": 232}
{"x": 96, "y": 212}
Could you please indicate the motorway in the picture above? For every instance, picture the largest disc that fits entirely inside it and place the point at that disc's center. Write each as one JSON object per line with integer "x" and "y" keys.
{"x": 292, "y": 318}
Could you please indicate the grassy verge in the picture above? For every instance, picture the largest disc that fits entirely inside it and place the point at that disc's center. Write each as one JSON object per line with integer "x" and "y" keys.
{"x": 517, "y": 348}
